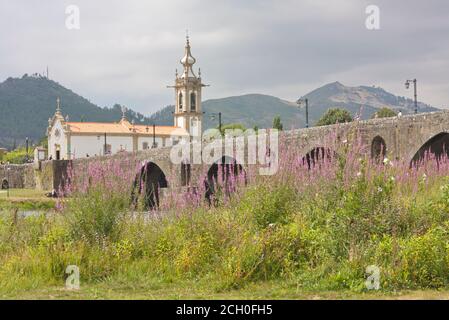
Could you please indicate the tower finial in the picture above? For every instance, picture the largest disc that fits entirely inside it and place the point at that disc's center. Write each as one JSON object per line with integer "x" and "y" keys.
{"x": 187, "y": 37}
{"x": 188, "y": 60}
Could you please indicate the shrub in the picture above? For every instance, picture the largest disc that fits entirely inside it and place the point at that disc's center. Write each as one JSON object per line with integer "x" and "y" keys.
{"x": 96, "y": 215}
{"x": 268, "y": 205}
{"x": 384, "y": 112}
{"x": 333, "y": 116}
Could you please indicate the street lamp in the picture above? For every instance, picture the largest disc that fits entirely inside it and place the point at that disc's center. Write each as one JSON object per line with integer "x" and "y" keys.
{"x": 305, "y": 101}
{"x": 105, "y": 145}
{"x": 154, "y": 137}
{"x": 407, "y": 85}
{"x": 9, "y": 181}
{"x": 26, "y": 156}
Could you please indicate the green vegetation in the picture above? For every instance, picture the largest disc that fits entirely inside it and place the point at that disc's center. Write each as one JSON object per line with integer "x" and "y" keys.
{"x": 301, "y": 233}
{"x": 277, "y": 124}
{"x": 26, "y": 104}
{"x": 384, "y": 112}
{"x": 25, "y": 199}
{"x": 333, "y": 116}
{"x": 232, "y": 126}
{"x": 17, "y": 156}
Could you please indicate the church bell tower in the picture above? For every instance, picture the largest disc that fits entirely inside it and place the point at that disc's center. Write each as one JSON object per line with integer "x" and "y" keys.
{"x": 188, "y": 85}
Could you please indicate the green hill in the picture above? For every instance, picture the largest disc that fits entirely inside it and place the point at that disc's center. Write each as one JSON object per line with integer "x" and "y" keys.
{"x": 250, "y": 110}
{"x": 258, "y": 109}
{"x": 26, "y": 104}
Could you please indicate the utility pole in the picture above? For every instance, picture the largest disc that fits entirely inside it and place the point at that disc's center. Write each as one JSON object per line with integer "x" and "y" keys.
{"x": 407, "y": 85}
{"x": 305, "y": 101}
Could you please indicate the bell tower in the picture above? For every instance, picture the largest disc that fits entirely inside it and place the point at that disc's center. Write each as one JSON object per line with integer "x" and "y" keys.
{"x": 188, "y": 113}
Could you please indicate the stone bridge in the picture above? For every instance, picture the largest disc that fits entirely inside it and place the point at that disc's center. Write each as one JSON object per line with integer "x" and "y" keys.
{"x": 402, "y": 138}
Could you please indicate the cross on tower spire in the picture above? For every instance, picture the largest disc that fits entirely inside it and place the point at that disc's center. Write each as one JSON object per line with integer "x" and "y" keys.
{"x": 123, "y": 113}
{"x": 58, "y": 106}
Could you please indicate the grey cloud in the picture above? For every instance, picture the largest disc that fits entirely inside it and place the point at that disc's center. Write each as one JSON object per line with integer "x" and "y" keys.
{"x": 126, "y": 52}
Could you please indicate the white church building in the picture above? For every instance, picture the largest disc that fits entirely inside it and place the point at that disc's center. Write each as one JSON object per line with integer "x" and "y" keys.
{"x": 71, "y": 140}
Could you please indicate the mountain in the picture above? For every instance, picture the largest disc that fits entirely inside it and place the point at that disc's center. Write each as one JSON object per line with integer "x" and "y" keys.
{"x": 26, "y": 104}
{"x": 370, "y": 99}
{"x": 258, "y": 109}
{"x": 250, "y": 110}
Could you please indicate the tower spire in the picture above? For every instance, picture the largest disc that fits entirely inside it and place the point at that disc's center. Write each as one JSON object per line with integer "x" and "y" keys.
{"x": 188, "y": 60}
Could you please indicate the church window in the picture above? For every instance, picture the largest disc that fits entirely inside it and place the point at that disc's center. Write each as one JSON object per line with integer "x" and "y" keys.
{"x": 193, "y": 101}
{"x": 180, "y": 101}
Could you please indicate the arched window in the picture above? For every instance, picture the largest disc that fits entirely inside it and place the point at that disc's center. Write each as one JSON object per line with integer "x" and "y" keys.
{"x": 193, "y": 101}
{"x": 180, "y": 101}
{"x": 378, "y": 149}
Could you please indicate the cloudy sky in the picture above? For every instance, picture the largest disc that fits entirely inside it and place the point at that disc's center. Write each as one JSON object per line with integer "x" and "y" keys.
{"x": 127, "y": 51}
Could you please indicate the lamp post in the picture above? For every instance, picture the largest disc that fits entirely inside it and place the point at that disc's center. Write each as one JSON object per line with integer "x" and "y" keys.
{"x": 154, "y": 136}
{"x": 305, "y": 101}
{"x": 407, "y": 85}
{"x": 7, "y": 176}
{"x": 26, "y": 156}
{"x": 219, "y": 119}
{"x": 105, "y": 145}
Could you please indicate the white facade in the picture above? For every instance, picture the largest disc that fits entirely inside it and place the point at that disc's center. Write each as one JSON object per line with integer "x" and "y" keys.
{"x": 93, "y": 145}
{"x": 57, "y": 138}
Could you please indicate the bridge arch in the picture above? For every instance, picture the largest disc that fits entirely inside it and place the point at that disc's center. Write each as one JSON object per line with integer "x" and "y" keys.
{"x": 186, "y": 173}
{"x": 148, "y": 182}
{"x": 317, "y": 156}
{"x": 5, "y": 184}
{"x": 437, "y": 146}
{"x": 378, "y": 148}
{"x": 219, "y": 176}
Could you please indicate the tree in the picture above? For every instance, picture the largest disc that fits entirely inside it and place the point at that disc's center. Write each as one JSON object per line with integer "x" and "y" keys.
{"x": 232, "y": 126}
{"x": 43, "y": 142}
{"x": 17, "y": 156}
{"x": 277, "y": 124}
{"x": 333, "y": 116}
{"x": 384, "y": 112}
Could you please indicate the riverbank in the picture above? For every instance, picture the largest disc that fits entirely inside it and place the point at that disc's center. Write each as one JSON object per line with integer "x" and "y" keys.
{"x": 26, "y": 199}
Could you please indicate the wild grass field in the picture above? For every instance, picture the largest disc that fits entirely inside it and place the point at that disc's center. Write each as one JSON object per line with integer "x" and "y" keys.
{"x": 310, "y": 231}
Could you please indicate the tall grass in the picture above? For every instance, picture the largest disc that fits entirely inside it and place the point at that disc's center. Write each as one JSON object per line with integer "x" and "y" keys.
{"x": 317, "y": 224}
